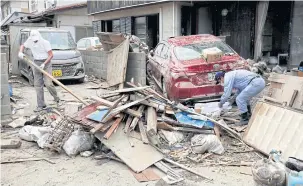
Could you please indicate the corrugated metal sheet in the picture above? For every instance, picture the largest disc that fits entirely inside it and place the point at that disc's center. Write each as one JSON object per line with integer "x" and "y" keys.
{"x": 274, "y": 127}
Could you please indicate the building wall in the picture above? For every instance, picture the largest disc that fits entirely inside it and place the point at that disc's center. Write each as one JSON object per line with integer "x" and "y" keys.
{"x": 67, "y": 2}
{"x": 5, "y": 100}
{"x": 296, "y": 42}
{"x": 168, "y": 13}
{"x": 75, "y": 17}
{"x": 13, "y": 6}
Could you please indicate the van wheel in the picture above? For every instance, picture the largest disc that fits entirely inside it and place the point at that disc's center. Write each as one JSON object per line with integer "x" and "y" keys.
{"x": 31, "y": 77}
{"x": 81, "y": 80}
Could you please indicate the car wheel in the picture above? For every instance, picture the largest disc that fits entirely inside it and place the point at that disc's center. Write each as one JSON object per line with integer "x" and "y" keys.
{"x": 81, "y": 80}
{"x": 164, "y": 88}
{"x": 31, "y": 77}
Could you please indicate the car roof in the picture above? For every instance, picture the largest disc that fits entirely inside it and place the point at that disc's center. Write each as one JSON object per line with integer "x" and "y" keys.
{"x": 45, "y": 29}
{"x": 186, "y": 40}
{"x": 90, "y": 38}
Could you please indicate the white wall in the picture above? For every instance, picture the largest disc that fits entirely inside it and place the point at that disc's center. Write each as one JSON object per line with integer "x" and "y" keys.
{"x": 75, "y": 17}
{"x": 170, "y": 25}
{"x": 67, "y": 2}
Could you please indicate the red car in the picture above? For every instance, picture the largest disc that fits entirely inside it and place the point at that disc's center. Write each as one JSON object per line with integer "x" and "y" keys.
{"x": 177, "y": 67}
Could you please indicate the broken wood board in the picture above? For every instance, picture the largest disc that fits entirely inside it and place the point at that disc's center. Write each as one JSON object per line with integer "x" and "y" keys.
{"x": 110, "y": 40}
{"x": 117, "y": 63}
{"x": 272, "y": 127}
{"x": 110, "y": 104}
{"x": 143, "y": 132}
{"x": 136, "y": 119}
{"x": 80, "y": 117}
{"x": 126, "y": 90}
{"x": 113, "y": 127}
{"x": 146, "y": 175}
{"x": 151, "y": 119}
{"x": 138, "y": 158}
{"x": 282, "y": 88}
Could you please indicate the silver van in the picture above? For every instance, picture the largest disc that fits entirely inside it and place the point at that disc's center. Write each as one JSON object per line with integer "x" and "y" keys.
{"x": 67, "y": 63}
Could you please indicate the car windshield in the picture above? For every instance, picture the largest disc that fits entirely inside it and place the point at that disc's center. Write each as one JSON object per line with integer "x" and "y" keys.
{"x": 59, "y": 40}
{"x": 194, "y": 51}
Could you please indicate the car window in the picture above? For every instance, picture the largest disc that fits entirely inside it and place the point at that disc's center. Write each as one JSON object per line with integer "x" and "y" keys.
{"x": 87, "y": 43}
{"x": 81, "y": 43}
{"x": 97, "y": 42}
{"x": 194, "y": 51}
{"x": 164, "y": 52}
{"x": 158, "y": 50}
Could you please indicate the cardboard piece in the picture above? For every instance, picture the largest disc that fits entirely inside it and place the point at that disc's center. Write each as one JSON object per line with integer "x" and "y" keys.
{"x": 138, "y": 158}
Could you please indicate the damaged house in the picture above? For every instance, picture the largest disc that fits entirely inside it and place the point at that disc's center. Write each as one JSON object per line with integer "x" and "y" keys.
{"x": 253, "y": 29}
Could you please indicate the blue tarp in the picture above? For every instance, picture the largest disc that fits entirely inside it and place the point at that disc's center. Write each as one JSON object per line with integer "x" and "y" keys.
{"x": 183, "y": 118}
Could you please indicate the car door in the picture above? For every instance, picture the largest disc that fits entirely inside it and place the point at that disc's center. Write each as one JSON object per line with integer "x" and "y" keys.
{"x": 81, "y": 44}
{"x": 155, "y": 60}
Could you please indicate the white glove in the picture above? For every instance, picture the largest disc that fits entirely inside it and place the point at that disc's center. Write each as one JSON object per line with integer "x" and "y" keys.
{"x": 42, "y": 66}
{"x": 21, "y": 55}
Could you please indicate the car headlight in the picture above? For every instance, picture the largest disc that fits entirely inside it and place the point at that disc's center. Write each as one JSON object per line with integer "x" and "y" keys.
{"x": 80, "y": 65}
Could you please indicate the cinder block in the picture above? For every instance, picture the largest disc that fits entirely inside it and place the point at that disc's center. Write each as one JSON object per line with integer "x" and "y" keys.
{"x": 6, "y": 110}
{"x": 4, "y": 89}
{"x": 4, "y": 79}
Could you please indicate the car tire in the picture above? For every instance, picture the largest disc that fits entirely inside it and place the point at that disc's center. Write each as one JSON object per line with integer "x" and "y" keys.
{"x": 31, "y": 77}
{"x": 81, "y": 80}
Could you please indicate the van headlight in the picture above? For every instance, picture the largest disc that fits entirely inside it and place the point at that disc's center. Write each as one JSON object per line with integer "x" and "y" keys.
{"x": 80, "y": 65}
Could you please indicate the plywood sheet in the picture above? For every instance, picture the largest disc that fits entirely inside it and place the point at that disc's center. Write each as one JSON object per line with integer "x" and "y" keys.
{"x": 282, "y": 88}
{"x": 117, "y": 63}
{"x": 138, "y": 158}
{"x": 273, "y": 127}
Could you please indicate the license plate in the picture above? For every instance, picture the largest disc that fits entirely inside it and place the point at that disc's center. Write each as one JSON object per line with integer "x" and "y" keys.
{"x": 57, "y": 73}
{"x": 211, "y": 76}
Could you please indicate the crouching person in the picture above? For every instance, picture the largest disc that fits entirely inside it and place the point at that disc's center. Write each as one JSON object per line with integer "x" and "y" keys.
{"x": 248, "y": 84}
{"x": 42, "y": 52}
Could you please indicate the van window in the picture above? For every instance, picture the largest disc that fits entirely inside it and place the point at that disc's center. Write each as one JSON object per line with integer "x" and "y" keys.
{"x": 87, "y": 44}
{"x": 24, "y": 37}
{"x": 59, "y": 40}
{"x": 81, "y": 43}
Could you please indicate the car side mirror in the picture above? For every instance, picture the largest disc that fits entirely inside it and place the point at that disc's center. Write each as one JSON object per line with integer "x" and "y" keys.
{"x": 152, "y": 53}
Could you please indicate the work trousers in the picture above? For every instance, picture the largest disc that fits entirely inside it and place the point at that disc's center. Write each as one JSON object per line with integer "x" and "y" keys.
{"x": 252, "y": 89}
{"x": 40, "y": 80}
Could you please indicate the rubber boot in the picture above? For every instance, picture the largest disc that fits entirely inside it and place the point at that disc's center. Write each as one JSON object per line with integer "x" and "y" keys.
{"x": 244, "y": 119}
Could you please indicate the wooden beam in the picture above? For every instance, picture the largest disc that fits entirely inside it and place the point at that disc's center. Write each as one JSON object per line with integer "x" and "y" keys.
{"x": 126, "y": 90}
{"x": 109, "y": 104}
{"x": 143, "y": 133}
{"x": 127, "y": 124}
{"x": 293, "y": 98}
{"x": 113, "y": 127}
{"x": 151, "y": 119}
{"x": 136, "y": 119}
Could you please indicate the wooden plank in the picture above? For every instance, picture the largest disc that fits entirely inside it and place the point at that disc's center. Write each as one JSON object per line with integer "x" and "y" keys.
{"x": 293, "y": 97}
{"x": 113, "y": 127}
{"x": 150, "y": 174}
{"x": 123, "y": 107}
{"x": 103, "y": 120}
{"x": 127, "y": 90}
{"x": 28, "y": 159}
{"x": 138, "y": 158}
{"x": 128, "y": 122}
{"x": 117, "y": 63}
{"x": 109, "y": 104}
{"x": 143, "y": 133}
{"x": 136, "y": 119}
{"x": 151, "y": 119}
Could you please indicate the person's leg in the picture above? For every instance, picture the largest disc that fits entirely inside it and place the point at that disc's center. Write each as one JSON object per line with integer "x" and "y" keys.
{"x": 49, "y": 84}
{"x": 38, "y": 82}
{"x": 254, "y": 88}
